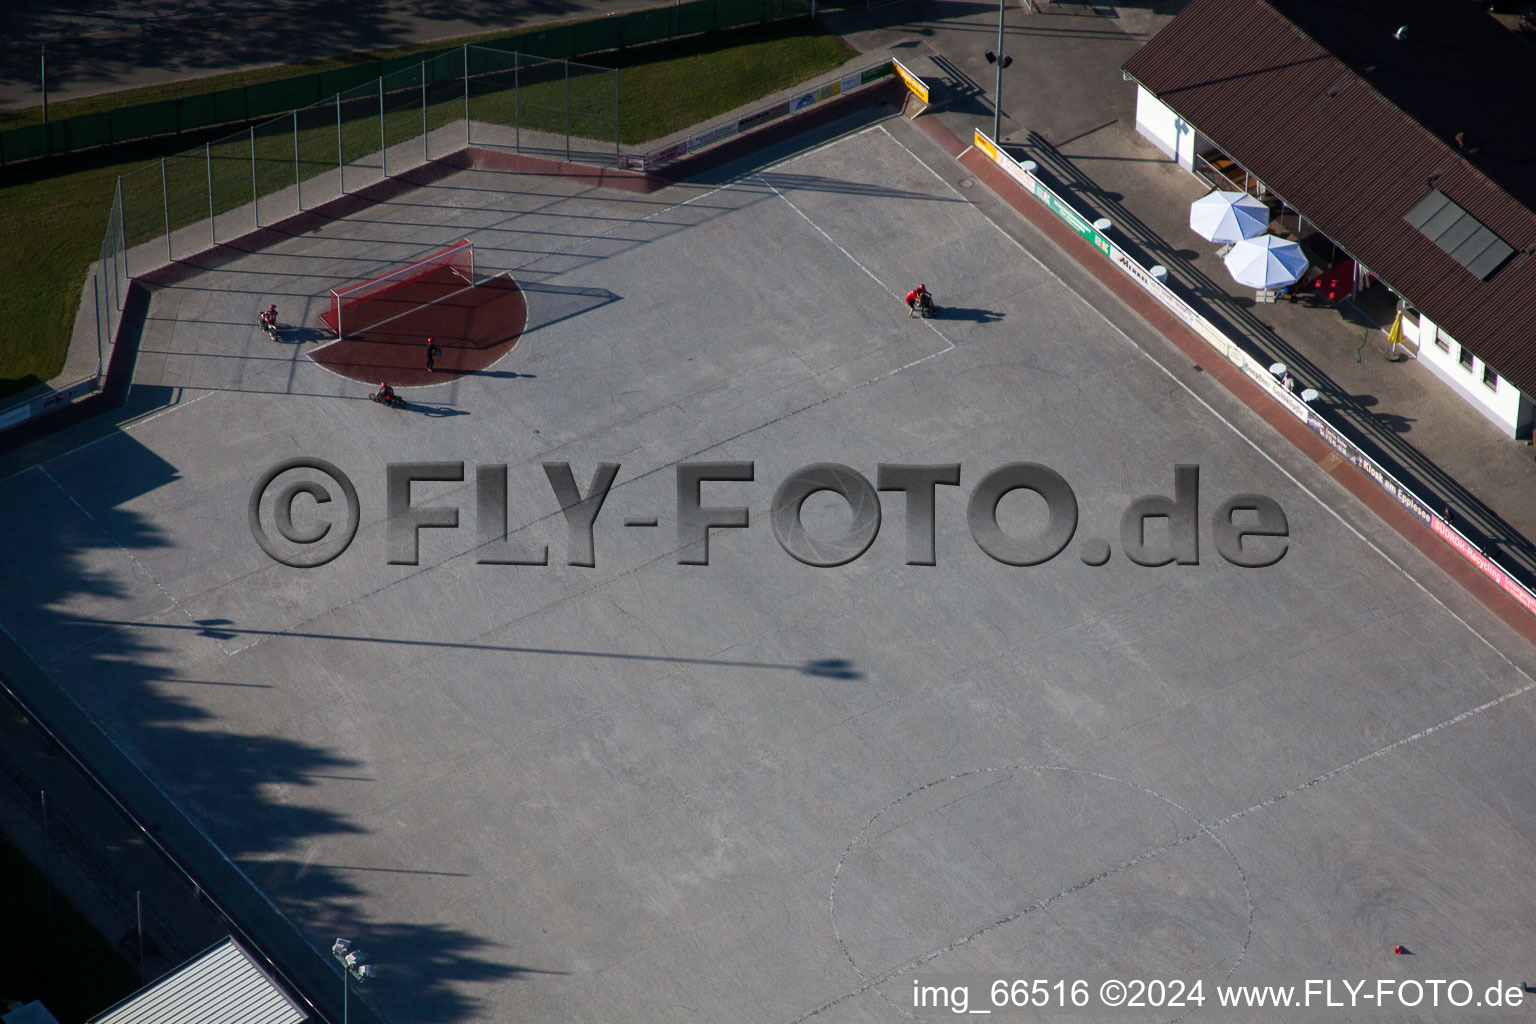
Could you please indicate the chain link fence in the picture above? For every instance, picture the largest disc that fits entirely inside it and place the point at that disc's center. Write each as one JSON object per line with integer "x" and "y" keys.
{"x": 189, "y": 202}
{"x": 275, "y": 172}
{"x": 472, "y": 96}
{"x": 247, "y": 103}
{"x": 184, "y": 204}
{"x": 552, "y": 108}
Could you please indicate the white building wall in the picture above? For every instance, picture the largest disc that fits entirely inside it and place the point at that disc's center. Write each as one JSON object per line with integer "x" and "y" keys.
{"x": 1501, "y": 403}
{"x": 1165, "y": 129}
{"x": 1512, "y": 411}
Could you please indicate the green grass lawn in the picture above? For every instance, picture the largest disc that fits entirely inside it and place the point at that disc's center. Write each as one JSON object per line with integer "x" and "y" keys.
{"x": 671, "y": 86}
{"x": 53, "y": 227}
{"x": 59, "y": 110}
{"x": 55, "y": 212}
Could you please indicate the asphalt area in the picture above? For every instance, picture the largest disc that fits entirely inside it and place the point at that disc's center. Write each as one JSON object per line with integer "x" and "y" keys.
{"x": 757, "y": 789}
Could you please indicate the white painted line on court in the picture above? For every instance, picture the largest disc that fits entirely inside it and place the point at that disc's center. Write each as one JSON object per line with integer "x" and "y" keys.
{"x": 122, "y": 428}
{"x": 130, "y": 555}
{"x": 1530, "y": 685}
{"x": 950, "y": 346}
{"x": 1076, "y": 887}
{"x": 451, "y": 376}
{"x": 1379, "y": 752}
{"x": 928, "y": 322}
{"x": 1206, "y": 828}
{"x": 571, "y": 249}
{"x": 1246, "y": 439}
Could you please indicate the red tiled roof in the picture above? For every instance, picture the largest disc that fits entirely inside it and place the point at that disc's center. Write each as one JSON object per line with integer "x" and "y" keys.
{"x": 1319, "y": 134}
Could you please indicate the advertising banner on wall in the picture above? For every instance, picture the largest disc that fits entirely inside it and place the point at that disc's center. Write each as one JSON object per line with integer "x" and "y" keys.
{"x": 1258, "y": 372}
{"x": 705, "y": 138}
{"x": 914, "y": 83}
{"x": 758, "y": 117}
{"x": 1477, "y": 558}
{"x": 651, "y": 161}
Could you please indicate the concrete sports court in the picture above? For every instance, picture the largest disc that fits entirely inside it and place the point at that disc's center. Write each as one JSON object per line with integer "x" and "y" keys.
{"x": 757, "y": 790}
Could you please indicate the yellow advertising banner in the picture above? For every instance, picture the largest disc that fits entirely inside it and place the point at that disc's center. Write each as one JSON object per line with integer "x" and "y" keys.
{"x": 985, "y": 145}
{"x": 913, "y": 82}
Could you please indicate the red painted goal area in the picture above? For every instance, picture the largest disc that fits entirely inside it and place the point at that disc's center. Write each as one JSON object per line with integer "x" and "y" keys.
{"x": 360, "y": 307}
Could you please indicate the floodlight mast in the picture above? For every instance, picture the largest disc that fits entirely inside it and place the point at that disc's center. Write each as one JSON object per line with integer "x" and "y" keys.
{"x": 1001, "y": 61}
{"x": 352, "y": 962}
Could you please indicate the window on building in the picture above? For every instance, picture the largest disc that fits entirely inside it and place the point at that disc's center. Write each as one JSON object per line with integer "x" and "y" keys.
{"x": 1465, "y": 359}
{"x": 1442, "y": 342}
{"x": 1490, "y": 378}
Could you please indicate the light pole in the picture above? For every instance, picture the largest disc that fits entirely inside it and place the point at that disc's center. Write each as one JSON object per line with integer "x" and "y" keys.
{"x": 351, "y": 961}
{"x": 1001, "y": 61}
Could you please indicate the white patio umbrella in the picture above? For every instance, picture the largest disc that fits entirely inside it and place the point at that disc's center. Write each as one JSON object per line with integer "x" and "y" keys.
{"x": 1266, "y": 262}
{"x": 1228, "y": 216}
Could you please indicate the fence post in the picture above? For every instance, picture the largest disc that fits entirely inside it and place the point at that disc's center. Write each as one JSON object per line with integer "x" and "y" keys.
{"x": 100, "y": 326}
{"x": 213, "y": 228}
{"x": 255, "y": 192}
{"x": 103, "y": 327}
{"x": 517, "y": 106}
{"x": 117, "y": 258}
{"x": 426, "y": 148}
{"x": 165, "y": 202}
{"x": 109, "y": 252}
{"x": 567, "y": 111}
{"x": 617, "y": 151}
{"x": 467, "y": 141}
{"x": 298, "y": 178}
{"x": 341, "y": 154}
{"x": 122, "y": 238}
{"x": 109, "y": 245}
{"x": 383, "y": 141}
{"x": 119, "y": 255}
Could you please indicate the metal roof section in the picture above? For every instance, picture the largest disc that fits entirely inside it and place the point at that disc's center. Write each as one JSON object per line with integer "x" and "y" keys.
{"x": 1454, "y": 70}
{"x": 1457, "y": 232}
{"x": 221, "y": 986}
{"x": 1327, "y": 138}
{"x": 32, "y": 1013}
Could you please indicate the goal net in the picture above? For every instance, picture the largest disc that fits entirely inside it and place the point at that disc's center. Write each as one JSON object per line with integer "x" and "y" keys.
{"x": 359, "y": 307}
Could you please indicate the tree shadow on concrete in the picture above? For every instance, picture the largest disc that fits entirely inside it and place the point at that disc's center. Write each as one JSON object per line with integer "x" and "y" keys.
{"x": 100, "y": 649}
{"x": 119, "y": 700}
